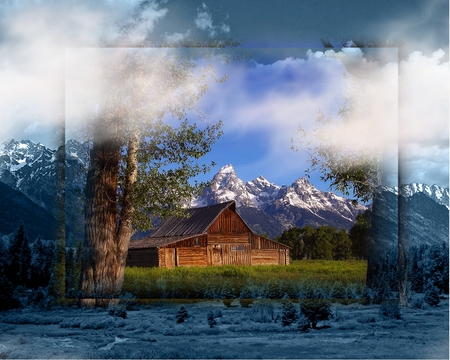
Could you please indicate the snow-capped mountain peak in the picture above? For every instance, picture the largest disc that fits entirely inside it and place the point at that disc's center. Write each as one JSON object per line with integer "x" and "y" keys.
{"x": 287, "y": 206}
{"x": 437, "y": 193}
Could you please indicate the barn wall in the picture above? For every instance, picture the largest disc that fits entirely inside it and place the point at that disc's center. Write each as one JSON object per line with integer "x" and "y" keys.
{"x": 260, "y": 243}
{"x": 193, "y": 256}
{"x": 202, "y": 240}
{"x": 265, "y": 257}
{"x": 227, "y": 239}
{"x": 161, "y": 257}
{"x": 236, "y": 254}
{"x": 228, "y": 222}
{"x": 143, "y": 257}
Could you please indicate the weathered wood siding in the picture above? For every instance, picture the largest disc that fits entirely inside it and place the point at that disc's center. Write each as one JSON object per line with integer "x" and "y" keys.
{"x": 227, "y": 223}
{"x": 236, "y": 254}
{"x": 259, "y": 242}
{"x": 161, "y": 259}
{"x": 265, "y": 257}
{"x": 169, "y": 257}
{"x": 143, "y": 257}
{"x": 202, "y": 240}
{"x": 193, "y": 256}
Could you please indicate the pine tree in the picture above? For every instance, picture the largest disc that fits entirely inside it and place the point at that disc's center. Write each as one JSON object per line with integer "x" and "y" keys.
{"x": 18, "y": 271}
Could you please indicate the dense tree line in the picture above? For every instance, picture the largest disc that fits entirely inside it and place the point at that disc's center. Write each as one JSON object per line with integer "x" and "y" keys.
{"x": 428, "y": 273}
{"x": 34, "y": 268}
{"x": 327, "y": 242}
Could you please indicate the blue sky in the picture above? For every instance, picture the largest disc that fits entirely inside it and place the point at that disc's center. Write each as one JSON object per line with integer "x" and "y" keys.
{"x": 266, "y": 98}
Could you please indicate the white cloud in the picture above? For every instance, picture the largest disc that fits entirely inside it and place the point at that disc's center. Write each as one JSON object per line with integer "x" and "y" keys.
{"x": 204, "y": 22}
{"x": 32, "y": 53}
{"x": 289, "y": 92}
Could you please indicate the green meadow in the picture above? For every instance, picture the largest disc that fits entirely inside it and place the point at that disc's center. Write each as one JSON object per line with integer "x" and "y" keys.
{"x": 301, "y": 279}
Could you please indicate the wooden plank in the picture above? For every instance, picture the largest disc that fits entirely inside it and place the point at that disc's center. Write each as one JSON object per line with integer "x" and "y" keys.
{"x": 265, "y": 257}
{"x": 217, "y": 256}
{"x": 236, "y": 254}
{"x": 202, "y": 241}
{"x": 228, "y": 222}
{"x": 162, "y": 257}
{"x": 227, "y": 239}
{"x": 169, "y": 257}
{"x": 192, "y": 256}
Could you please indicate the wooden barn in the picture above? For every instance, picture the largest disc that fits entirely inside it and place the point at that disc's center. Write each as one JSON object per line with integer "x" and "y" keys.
{"x": 212, "y": 235}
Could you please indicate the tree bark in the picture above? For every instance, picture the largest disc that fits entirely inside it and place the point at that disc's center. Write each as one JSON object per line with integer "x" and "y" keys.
{"x": 125, "y": 228}
{"x": 107, "y": 235}
{"x": 98, "y": 279}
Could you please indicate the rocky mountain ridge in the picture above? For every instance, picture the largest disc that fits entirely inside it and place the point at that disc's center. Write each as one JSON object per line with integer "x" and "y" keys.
{"x": 281, "y": 207}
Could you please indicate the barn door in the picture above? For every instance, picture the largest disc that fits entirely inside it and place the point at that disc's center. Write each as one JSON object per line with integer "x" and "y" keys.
{"x": 217, "y": 255}
{"x": 170, "y": 257}
{"x": 281, "y": 257}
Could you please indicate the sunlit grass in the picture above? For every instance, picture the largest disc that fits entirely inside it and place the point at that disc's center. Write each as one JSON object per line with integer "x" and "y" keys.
{"x": 254, "y": 281}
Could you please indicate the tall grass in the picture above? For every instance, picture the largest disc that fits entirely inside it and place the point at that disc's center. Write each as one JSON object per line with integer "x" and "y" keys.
{"x": 306, "y": 278}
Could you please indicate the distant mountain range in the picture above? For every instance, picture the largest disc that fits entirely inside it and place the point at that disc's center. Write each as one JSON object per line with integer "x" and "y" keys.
{"x": 30, "y": 182}
{"x": 32, "y": 178}
{"x": 270, "y": 209}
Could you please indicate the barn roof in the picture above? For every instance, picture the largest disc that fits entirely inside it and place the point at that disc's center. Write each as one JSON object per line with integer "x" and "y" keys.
{"x": 157, "y": 242}
{"x": 197, "y": 222}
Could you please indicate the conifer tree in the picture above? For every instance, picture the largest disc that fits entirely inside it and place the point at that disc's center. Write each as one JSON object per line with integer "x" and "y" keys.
{"x": 20, "y": 259}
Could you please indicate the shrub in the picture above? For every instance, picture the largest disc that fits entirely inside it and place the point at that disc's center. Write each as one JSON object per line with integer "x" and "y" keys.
{"x": 303, "y": 323}
{"x": 227, "y": 302}
{"x": 390, "y": 309}
{"x": 431, "y": 296}
{"x": 246, "y": 298}
{"x": 315, "y": 310}
{"x": 289, "y": 314}
{"x": 7, "y": 298}
{"x": 418, "y": 303}
{"x": 211, "y": 319}
{"x": 181, "y": 315}
{"x": 263, "y": 312}
{"x": 117, "y": 311}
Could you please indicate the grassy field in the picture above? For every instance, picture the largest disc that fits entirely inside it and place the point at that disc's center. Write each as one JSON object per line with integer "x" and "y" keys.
{"x": 301, "y": 279}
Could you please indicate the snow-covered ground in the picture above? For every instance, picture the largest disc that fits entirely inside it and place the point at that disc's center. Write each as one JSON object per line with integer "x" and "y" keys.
{"x": 356, "y": 331}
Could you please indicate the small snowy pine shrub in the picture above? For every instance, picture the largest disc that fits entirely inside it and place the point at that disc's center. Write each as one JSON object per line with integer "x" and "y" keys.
{"x": 390, "y": 309}
{"x": 211, "y": 319}
{"x": 263, "y": 312}
{"x": 181, "y": 315}
{"x": 289, "y": 314}
{"x": 117, "y": 311}
{"x": 315, "y": 310}
{"x": 418, "y": 303}
{"x": 246, "y": 298}
{"x": 431, "y": 296}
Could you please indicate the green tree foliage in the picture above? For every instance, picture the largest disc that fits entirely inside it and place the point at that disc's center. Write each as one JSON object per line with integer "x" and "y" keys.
{"x": 323, "y": 243}
{"x": 315, "y": 310}
{"x": 359, "y": 234}
{"x": 342, "y": 246}
{"x": 57, "y": 283}
{"x": 140, "y": 165}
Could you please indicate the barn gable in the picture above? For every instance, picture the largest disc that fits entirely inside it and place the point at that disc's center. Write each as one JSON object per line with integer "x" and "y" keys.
{"x": 212, "y": 235}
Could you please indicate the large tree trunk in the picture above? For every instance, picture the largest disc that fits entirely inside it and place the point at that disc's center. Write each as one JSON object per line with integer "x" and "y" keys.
{"x": 107, "y": 235}
{"x": 98, "y": 281}
{"x": 125, "y": 229}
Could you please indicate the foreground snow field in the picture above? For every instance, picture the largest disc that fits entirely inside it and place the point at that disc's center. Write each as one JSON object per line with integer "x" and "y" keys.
{"x": 355, "y": 331}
